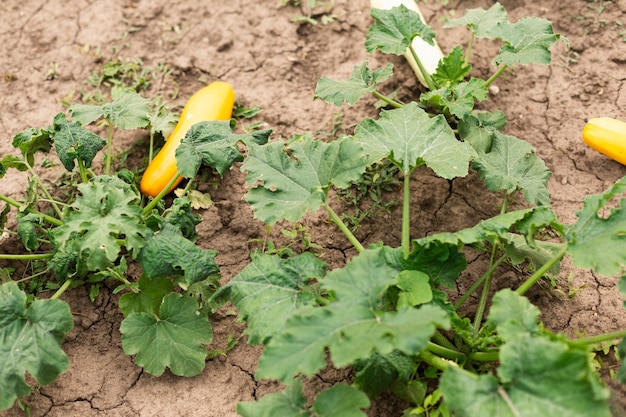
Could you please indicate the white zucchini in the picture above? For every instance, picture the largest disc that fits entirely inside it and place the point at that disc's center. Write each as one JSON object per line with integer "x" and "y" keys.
{"x": 429, "y": 55}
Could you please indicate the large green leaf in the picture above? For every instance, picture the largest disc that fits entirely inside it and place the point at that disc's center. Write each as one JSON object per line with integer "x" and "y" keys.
{"x": 481, "y": 21}
{"x": 215, "y": 144}
{"x": 175, "y": 338}
{"x": 73, "y": 142}
{"x": 537, "y": 377}
{"x": 362, "y": 81}
{"x": 128, "y": 110}
{"x": 168, "y": 252}
{"x": 289, "y": 179}
{"x": 340, "y": 400}
{"x": 512, "y": 315}
{"x": 395, "y": 29}
{"x": 106, "y": 212}
{"x": 31, "y": 336}
{"x": 527, "y": 41}
{"x": 598, "y": 240}
{"x": 271, "y": 289}
{"x": 512, "y": 165}
{"x": 352, "y": 328}
{"x": 411, "y": 137}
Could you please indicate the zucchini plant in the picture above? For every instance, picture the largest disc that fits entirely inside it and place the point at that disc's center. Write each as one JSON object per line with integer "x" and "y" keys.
{"x": 387, "y": 313}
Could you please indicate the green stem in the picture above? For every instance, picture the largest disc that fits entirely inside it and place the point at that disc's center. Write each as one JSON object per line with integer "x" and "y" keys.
{"x": 496, "y": 75}
{"x": 468, "y": 52}
{"x": 485, "y": 356}
{"x": 109, "y": 155}
{"x": 52, "y": 220}
{"x": 151, "y": 149}
{"x": 605, "y": 337}
{"x": 429, "y": 81}
{"x": 541, "y": 271}
{"x": 444, "y": 352}
{"x": 45, "y": 192}
{"x": 441, "y": 340}
{"x": 83, "y": 171}
{"x": 477, "y": 284}
{"x": 342, "y": 226}
{"x": 61, "y": 290}
{"x": 387, "y": 100}
{"x": 436, "y": 361}
{"x": 152, "y": 204}
{"x": 406, "y": 216}
{"x": 26, "y": 257}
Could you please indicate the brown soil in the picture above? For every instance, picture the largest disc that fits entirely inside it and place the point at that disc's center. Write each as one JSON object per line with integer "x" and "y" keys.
{"x": 275, "y": 63}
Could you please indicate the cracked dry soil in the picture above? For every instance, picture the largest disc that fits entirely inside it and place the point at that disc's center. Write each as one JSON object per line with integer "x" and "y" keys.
{"x": 275, "y": 63}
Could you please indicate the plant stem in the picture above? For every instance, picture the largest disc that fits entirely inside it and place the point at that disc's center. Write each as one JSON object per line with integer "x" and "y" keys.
{"x": 605, "y": 337}
{"x": 83, "y": 171}
{"x": 444, "y": 352}
{"x": 496, "y": 75}
{"x": 484, "y": 356}
{"x": 440, "y": 339}
{"x": 148, "y": 208}
{"x": 436, "y": 361}
{"x": 342, "y": 226}
{"x": 61, "y": 290}
{"x": 468, "y": 52}
{"x": 109, "y": 155}
{"x": 541, "y": 271}
{"x": 387, "y": 100}
{"x": 406, "y": 216}
{"x": 429, "y": 81}
{"x": 477, "y": 284}
{"x": 52, "y": 220}
{"x": 26, "y": 257}
{"x": 45, "y": 191}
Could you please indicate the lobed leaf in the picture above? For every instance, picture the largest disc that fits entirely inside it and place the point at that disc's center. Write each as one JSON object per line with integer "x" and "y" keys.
{"x": 291, "y": 179}
{"x": 362, "y": 81}
{"x": 271, "y": 289}
{"x": 31, "y": 335}
{"x": 457, "y": 100}
{"x": 512, "y": 165}
{"x": 598, "y": 241}
{"x": 148, "y": 298}
{"x": 394, "y": 30}
{"x": 528, "y": 41}
{"x": 74, "y": 142}
{"x": 175, "y": 338}
{"x": 452, "y": 68}
{"x": 409, "y": 137}
{"x": 481, "y": 21}
{"x": 215, "y": 144}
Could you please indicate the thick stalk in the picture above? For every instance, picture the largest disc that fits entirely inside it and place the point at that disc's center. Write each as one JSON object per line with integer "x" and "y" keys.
{"x": 26, "y": 257}
{"x": 444, "y": 352}
{"x": 152, "y": 204}
{"x": 83, "y": 171}
{"x": 61, "y": 290}
{"x": 406, "y": 216}
{"x": 496, "y": 75}
{"x": 52, "y": 220}
{"x": 541, "y": 271}
{"x": 109, "y": 155}
{"x": 436, "y": 361}
{"x": 429, "y": 81}
{"x": 605, "y": 337}
{"x": 342, "y": 226}
{"x": 477, "y": 284}
{"x": 387, "y": 100}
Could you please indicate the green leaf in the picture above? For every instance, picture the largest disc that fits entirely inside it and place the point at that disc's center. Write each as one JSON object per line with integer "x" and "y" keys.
{"x": 289, "y": 403}
{"x": 271, "y": 289}
{"x": 149, "y": 297}
{"x": 410, "y": 137}
{"x": 362, "y": 81}
{"x": 512, "y": 315}
{"x": 175, "y": 338}
{"x": 481, "y": 21}
{"x": 597, "y": 240}
{"x": 340, "y": 400}
{"x": 85, "y": 113}
{"x": 105, "y": 218}
{"x": 168, "y": 252}
{"x": 457, "y": 100}
{"x": 128, "y": 110}
{"x": 415, "y": 288}
{"x": 537, "y": 377}
{"x": 526, "y": 42}
{"x": 291, "y": 179}
{"x": 395, "y": 29}
{"x": 480, "y": 128}
{"x": 377, "y": 373}
{"x": 512, "y": 165}
{"x": 27, "y": 230}
{"x": 74, "y": 142}
{"x": 213, "y": 143}
{"x": 351, "y": 328}
{"x": 452, "y": 69}
{"x": 29, "y": 142}
{"x": 31, "y": 337}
